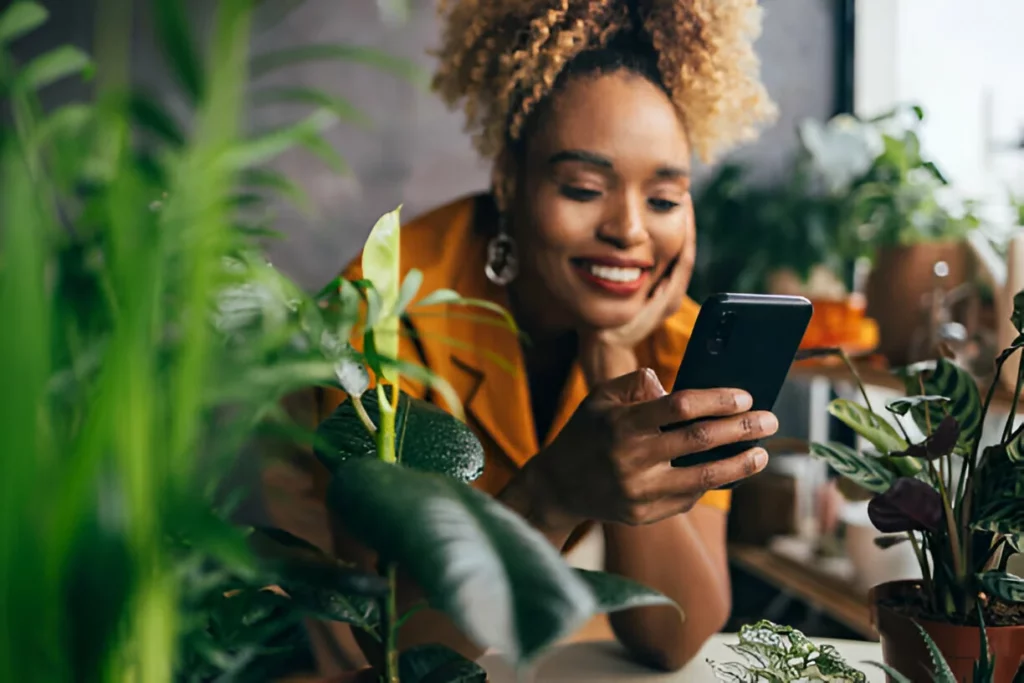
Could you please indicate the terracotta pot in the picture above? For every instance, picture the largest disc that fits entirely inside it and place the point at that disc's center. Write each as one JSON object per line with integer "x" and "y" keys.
{"x": 904, "y": 650}
{"x": 900, "y": 279}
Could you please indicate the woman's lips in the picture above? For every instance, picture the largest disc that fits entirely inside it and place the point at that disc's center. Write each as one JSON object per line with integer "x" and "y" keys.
{"x": 619, "y": 278}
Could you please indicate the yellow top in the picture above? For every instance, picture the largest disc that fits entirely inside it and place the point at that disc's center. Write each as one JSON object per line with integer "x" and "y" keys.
{"x": 451, "y": 253}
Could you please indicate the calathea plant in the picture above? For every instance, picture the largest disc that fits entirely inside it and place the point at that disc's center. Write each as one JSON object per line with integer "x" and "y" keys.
{"x": 958, "y": 501}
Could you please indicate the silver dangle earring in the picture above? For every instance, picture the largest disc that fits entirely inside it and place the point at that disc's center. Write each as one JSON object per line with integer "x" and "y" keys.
{"x": 502, "y": 258}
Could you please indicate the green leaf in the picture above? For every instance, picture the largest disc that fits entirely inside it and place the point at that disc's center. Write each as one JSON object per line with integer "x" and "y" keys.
{"x": 148, "y": 114}
{"x": 53, "y": 66}
{"x": 449, "y": 296}
{"x": 271, "y": 61}
{"x": 1017, "y": 317}
{"x": 381, "y": 266}
{"x": 261, "y": 178}
{"x": 175, "y": 39}
{"x": 945, "y": 378}
{"x": 942, "y": 673}
{"x": 1002, "y": 585}
{"x": 268, "y": 146}
{"x": 464, "y": 549}
{"x": 616, "y": 593}
{"x": 901, "y": 406}
{"x": 342, "y": 108}
{"x": 19, "y": 19}
{"x": 876, "y": 430}
{"x": 870, "y": 473}
{"x": 433, "y": 663}
{"x": 352, "y": 375}
{"x": 410, "y": 287}
{"x": 1015, "y": 447}
{"x": 426, "y": 438}
{"x": 337, "y": 602}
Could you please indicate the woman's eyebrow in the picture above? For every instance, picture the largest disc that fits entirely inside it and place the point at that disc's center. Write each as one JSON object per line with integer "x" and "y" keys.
{"x": 672, "y": 172}
{"x": 582, "y": 156}
{"x": 602, "y": 162}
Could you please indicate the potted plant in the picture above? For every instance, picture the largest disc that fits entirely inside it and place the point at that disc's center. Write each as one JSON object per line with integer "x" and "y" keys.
{"x": 956, "y": 498}
{"x": 896, "y": 210}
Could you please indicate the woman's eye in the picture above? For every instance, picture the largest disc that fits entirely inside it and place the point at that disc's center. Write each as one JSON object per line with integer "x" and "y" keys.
{"x": 662, "y": 205}
{"x": 579, "y": 194}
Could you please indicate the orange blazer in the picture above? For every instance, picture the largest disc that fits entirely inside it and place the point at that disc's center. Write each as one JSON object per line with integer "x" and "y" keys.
{"x": 449, "y": 247}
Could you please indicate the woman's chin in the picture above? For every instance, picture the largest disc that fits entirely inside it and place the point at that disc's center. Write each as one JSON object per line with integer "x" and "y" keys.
{"x": 608, "y": 317}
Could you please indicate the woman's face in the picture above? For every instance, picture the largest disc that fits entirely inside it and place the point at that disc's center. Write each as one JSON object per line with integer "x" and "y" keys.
{"x": 603, "y": 206}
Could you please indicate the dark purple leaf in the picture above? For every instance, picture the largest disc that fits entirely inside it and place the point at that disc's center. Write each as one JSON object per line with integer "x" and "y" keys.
{"x": 940, "y": 444}
{"x": 908, "y": 505}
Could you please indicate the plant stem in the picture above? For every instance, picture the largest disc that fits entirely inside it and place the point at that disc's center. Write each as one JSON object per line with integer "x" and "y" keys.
{"x": 856, "y": 376}
{"x": 364, "y": 417}
{"x": 391, "y": 626}
{"x": 386, "y": 433}
{"x": 926, "y": 576}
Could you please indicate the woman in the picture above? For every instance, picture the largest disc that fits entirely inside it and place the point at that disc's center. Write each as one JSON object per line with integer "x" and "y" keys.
{"x": 590, "y": 110}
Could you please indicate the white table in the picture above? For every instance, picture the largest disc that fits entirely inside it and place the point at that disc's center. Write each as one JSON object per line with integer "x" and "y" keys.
{"x": 604, "y": 661}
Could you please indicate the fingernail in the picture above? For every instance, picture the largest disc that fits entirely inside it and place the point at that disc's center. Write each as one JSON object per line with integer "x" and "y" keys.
{"x": 744, "y": 401}
{"x": 769, "y": 422}
{"x": 760, "y": 459}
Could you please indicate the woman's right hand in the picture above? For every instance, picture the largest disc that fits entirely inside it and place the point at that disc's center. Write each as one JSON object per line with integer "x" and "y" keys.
{"x": 612, "y": 461}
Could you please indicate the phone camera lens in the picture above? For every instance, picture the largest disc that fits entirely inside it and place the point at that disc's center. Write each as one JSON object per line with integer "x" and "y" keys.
{"x": 715, "y": 345}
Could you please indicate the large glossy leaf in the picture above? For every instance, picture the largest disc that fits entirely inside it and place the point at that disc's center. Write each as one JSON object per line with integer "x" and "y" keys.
{"x": 999, "y": 493}
{"x": 315, "y": 594}
{"x": 870, "y": 473}
{"x": 616, "y": 593}
{"x": 502, "y": 583}
{"x": 1002, "y": 585}
{"x": 433, "y": 663}
{"x": 381, "y": 266}
{"x": 945, "y": 378}
{"x": 908, "y": 505}
{"x": 21, "y": 17}
{"x": 876, "y": 430}
{"x": 426, "y": 438}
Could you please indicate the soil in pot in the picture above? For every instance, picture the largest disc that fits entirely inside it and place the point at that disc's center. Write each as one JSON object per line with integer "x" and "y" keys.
{"x": 897, "y": 605}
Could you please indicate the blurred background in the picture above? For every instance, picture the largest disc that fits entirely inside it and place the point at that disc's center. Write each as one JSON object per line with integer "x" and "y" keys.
{"x": 890, "y": 191}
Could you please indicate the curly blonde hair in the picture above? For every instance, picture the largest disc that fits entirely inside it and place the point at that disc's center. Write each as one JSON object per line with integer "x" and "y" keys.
{"x": 502, "y": 58}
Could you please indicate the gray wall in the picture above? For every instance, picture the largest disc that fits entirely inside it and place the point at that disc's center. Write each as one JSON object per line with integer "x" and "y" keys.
{"x": 415, "y": 154}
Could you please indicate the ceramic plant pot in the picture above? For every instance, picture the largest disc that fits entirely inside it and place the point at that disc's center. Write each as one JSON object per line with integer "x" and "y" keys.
{"x": 896, "y": 288}
{"x": 904, "y": 650}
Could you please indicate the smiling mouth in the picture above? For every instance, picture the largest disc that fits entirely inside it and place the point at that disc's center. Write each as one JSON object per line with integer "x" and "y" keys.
{"x": 620, "y": 279}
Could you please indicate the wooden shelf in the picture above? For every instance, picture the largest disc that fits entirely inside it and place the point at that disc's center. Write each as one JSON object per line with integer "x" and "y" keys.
{"x": 839, "y": 600}
{"x": 875, "y": 376}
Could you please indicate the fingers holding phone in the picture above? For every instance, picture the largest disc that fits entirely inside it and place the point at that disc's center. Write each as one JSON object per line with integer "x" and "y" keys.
{"x": 613, "y": 461}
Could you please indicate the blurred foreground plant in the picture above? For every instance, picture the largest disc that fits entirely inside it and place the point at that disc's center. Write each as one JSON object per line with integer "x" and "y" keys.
{"x": 146, "y": 341}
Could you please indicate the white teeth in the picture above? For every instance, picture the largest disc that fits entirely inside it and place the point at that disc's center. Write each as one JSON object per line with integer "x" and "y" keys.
{"x": 615, "y": 274}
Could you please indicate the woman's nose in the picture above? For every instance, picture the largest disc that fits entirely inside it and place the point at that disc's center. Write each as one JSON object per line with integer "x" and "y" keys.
{"x": 624, "y": 226}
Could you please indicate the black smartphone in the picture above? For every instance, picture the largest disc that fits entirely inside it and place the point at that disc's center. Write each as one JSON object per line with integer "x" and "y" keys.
{"x": 742, "y": 341}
